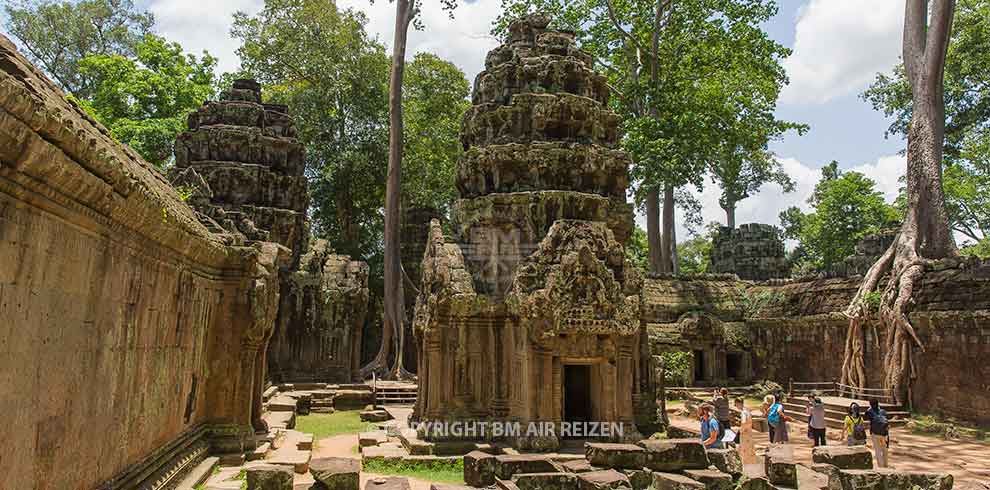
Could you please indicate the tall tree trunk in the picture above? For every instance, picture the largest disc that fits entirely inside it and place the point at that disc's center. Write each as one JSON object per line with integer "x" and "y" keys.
{"x": 393, "y": 305}
{"x": 653, "y": 229}
{"x": 924, "y": 237}
{"x": 667, "y": 245}
{"x": 730, "y": 215}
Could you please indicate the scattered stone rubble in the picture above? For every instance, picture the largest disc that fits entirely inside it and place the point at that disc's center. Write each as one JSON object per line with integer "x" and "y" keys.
{"x": 752, "y": 251}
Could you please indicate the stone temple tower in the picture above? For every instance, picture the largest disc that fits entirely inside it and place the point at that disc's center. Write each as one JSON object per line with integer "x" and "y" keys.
{"x": 530, "y": 311}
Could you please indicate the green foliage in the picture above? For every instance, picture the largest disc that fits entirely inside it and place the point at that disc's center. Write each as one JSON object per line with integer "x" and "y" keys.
{"x": 946, "y": 428}
{"x": 442, "y": 471}
{"x": 966, "y": 177}
{"x": 144, "y": 101}
{"x": 677, "y": 367}
{"x": 872, "y": 300}
{"x": 846, "y": 207}
{"x": 980, "y": 249}
{"x": 696, "y": 82}
{"x": 58, "y": 35}
{"x": 323, "y": 425}
{"x": 185, "y": 192}
{"x": 695, "y": 255}
{"x": 637, "y": 251}
{"x": 756, "y": 303}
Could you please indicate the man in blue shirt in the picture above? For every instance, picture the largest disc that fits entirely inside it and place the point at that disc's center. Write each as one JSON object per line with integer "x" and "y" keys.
{"x": 709, "y": 428}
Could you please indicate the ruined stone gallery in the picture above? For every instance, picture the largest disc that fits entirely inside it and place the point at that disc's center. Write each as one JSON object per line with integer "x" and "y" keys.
{"x": 143, "y": 315}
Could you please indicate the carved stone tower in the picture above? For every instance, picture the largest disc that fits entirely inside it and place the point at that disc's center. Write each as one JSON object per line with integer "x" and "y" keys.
{"x": 530, "y": 311}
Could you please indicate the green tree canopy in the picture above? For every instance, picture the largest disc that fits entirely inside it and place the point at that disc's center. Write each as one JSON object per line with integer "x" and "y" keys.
{"x": 847, "y": 206}
{"x": 145, "y": 100}
{"x": 966, "y": 177}
{"x": 57, "y": 35}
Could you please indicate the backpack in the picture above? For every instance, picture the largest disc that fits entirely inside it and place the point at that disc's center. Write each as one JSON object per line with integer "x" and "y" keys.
{"x": 859, "y": 429}
{"x": 879, "y": 424}
{"x": 774, "y": 417}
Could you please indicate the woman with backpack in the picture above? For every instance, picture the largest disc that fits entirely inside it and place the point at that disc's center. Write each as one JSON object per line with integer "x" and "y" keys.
{"x": 880, "y": 432}
{"x": 816, "y": 420}
{"x": 777, "y": 420}
{"x": 855, "y": 426}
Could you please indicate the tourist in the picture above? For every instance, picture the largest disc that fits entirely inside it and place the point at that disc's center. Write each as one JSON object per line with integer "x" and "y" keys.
{"x": 879, "y": 432}
{"x": 767, "y": 403}
{"x": 722, "y": 413}
{"x": 777, "y": 419}
{"x": 746, "y": 448}
{"x": 855, "y": 426}
{"x": 709, "y": 428}
{"x": 816, "y": 420}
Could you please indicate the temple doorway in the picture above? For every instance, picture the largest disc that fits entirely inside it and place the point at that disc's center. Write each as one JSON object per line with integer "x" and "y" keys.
{"x": 699, "y": 366}
{"x": 577, "y": 393}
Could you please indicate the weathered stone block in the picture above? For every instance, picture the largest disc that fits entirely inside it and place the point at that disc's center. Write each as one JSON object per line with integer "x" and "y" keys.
{"x": 844, "y": 457}
{"x": 375, "y": 416}
{"x": 578, "y": 466}
{"x": 602, "y": 480}
{"x": 611, "y": 455}
{"x": 675, "y": 454}
{"x": 449, "y": 486}
{"x": 888, "y": 479}
{"x": 640, "y": 479}
{"x": 479, "y": 469}
{"x": 269, "y": 477}
{"x": 336, "y": 473}
{"x": 388, "y": 483}
{"x": 713, "y": 479}
{"x": 780, "y": 467}
{"x": 755, "y": 484}
{"x": 674, "y": 481}
{"x": 726, "y": 461}
{"x": 545, "y": 481}
{"x": 507, "y": 465}
{"x": 372, "y": 438}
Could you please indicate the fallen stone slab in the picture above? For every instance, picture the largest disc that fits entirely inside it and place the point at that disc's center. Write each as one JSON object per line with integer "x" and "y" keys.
{"x": 280, "y": 420}
{"x": 779, "y": 466}
{"x": 507, "y": 465}
{"x": 755, "y": 484}
{"x": 674, "y": 481}
{"x": 269, "y": 477}
{"x": 336, "y": 473}
{"x": 726, "y": 461}
{"x": 383, "y": 453}
{"x": 304, "y": 442}
{"x": 449, "y": 486}
{"x": 260, "y": 452}
{"x": 545, "y": 481}
{"x": 479, "y": 469}
{"x": 374, "y": 416}
{"x": 388, "y": 483}
{"x": 844, "y": 457}
{"x": 674, "y": 454}
{"x": 712, "y": 479}
{"x": 352, "y": 399}
{"x": 602, "y": 480}
{"x": 640, "y": 479}
{"x": 292, "y": 457}
{"x": 619, "y": 456}
{"x": 888, "y": 479}
{"x": 372, "y": 438}
{"x": 577, "y": 466}
{"x": 282, "y": 403}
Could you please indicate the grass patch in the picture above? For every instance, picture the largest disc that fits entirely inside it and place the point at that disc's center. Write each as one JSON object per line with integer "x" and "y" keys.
{"x": 946, "y": 428}
{"x": 323, "y": 425}
{"x": 440, "y": 471}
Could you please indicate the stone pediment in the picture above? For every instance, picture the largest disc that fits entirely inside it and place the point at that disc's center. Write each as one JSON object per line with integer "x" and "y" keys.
{"x": 577, "y": 281}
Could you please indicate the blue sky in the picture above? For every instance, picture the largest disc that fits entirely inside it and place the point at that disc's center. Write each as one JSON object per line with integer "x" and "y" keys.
{"x": 839, "y": 46}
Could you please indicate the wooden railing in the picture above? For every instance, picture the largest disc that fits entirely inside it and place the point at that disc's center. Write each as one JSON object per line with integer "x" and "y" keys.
{"x": 882, "y": 395}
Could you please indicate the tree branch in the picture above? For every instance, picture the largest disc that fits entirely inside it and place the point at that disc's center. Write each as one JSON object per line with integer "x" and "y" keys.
{"x": 915, "y": 20}
{"x": 937, "y": 44}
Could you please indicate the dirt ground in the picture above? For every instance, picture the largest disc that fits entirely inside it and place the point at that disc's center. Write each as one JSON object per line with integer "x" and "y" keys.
{"x": 967, "y": 461}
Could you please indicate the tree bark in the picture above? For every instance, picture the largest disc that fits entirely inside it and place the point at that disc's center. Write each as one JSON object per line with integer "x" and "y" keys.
{"x": 925, "y": 236}
{"x": 667, "y": 245}
{"x": 730, "y": 215}
{"x": 653, "y": 229}
{"x": 393, "y": 334}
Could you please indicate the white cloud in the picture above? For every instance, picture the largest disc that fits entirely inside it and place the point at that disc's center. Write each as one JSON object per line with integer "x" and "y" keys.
{"x": 200, "y": 25}
{"x": 839, "y": 45}
{"x": 463, "y": 40}
{"x": 765, "y": 206}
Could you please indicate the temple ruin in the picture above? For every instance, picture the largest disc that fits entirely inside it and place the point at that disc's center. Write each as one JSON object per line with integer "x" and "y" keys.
{"x": 242, "y": 167}
{"x": 530, "y": 312}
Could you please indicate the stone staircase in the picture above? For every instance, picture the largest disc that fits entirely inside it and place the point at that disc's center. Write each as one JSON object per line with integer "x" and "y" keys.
{"x": 395, "y": 394}
{"x": 836, "y": 409}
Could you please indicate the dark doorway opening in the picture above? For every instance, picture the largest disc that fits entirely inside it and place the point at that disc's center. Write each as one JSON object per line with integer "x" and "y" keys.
{"x": 699, "y": 365}
{"x": 733, "y": 365}
{"x": 577, "y": 393}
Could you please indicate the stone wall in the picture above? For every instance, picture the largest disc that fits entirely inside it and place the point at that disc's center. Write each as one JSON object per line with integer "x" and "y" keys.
{"x": 752, "y": 251}
{"x": 794, "y": 330}
{"x": 133, "y": 336}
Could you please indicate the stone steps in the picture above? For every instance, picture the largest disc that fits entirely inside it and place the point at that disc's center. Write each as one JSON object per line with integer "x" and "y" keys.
{"x": 199, "y": 474}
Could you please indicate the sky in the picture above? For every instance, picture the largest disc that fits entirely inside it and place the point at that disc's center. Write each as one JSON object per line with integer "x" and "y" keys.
{"x": 838, "y": 47}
